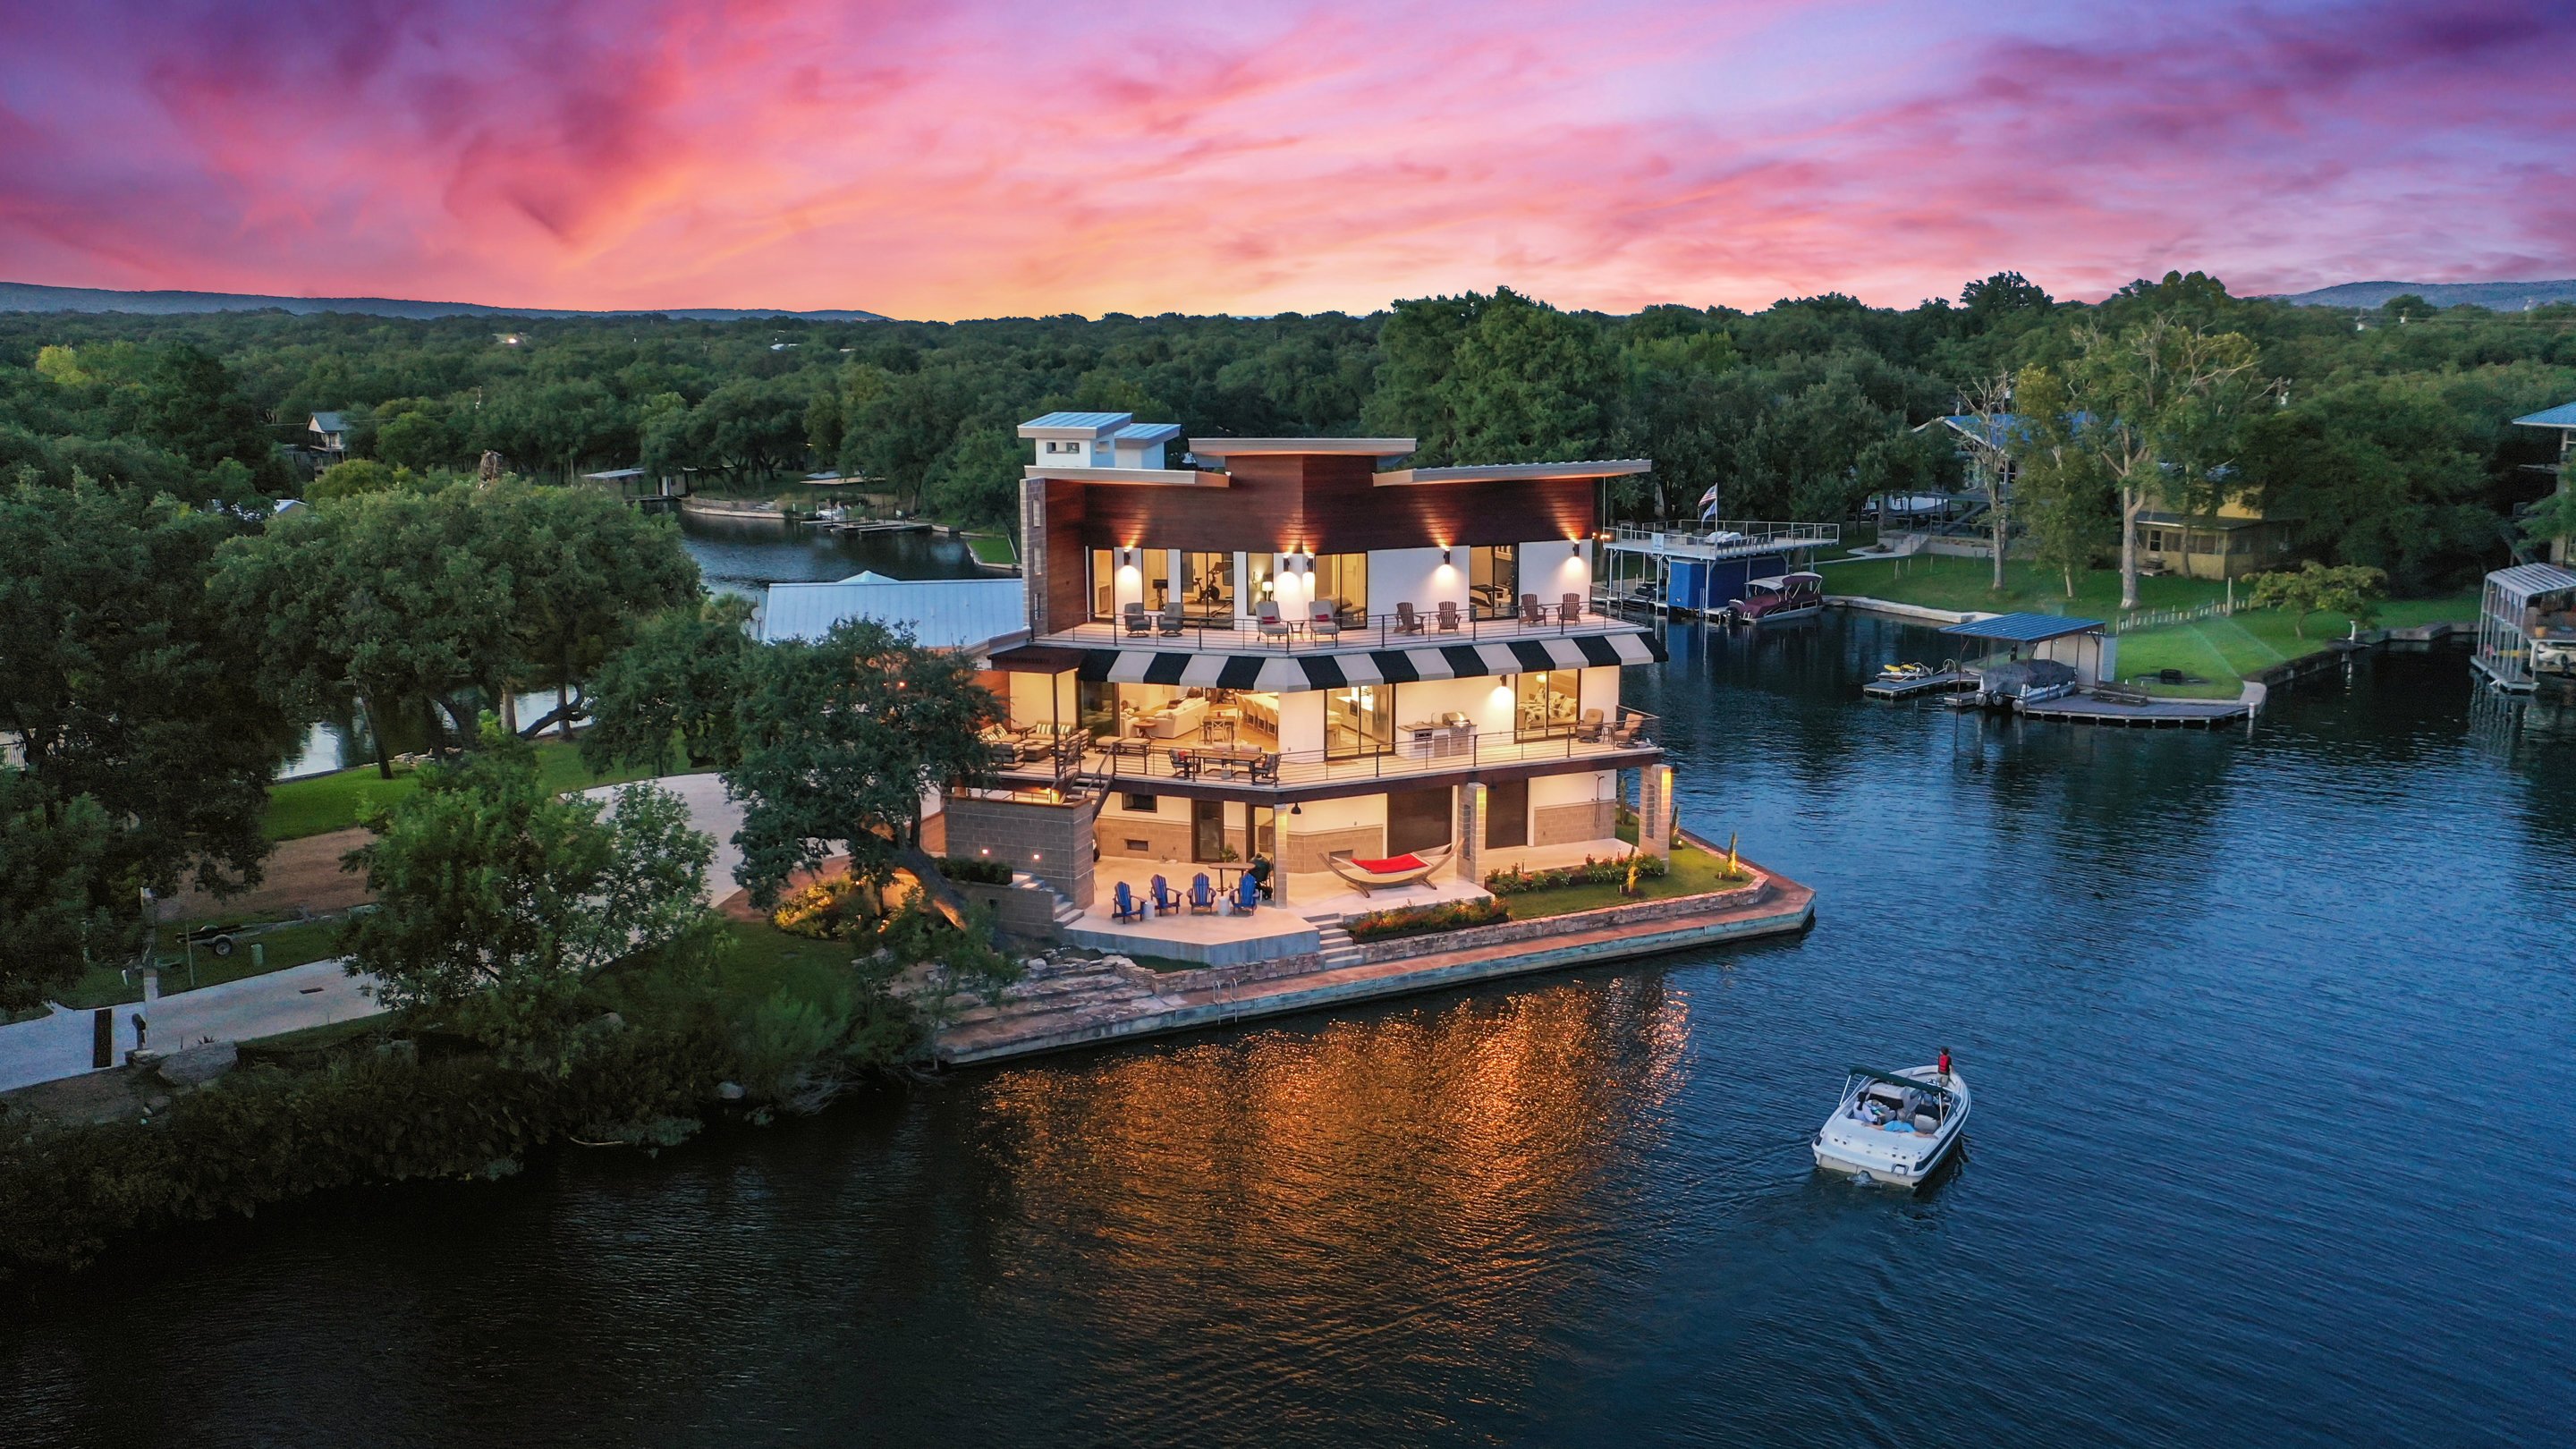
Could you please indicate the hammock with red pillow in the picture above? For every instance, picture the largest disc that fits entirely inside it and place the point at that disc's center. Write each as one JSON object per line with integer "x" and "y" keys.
{"x": 1392, "y": 865}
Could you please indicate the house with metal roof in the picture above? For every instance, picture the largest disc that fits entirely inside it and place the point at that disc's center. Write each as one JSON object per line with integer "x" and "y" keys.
{"x": 331, "y": 432}
{"x": 2562, "y": 418}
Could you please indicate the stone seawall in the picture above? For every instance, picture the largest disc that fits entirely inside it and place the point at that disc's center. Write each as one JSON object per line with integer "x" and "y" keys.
{"x": 1505, "y": 933}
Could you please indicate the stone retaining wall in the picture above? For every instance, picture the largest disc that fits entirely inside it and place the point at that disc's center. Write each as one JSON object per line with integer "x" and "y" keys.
{"x": 1024, "y": 909}
{"x": 1210, "y": 978}
{"x": 1473, "y": 938}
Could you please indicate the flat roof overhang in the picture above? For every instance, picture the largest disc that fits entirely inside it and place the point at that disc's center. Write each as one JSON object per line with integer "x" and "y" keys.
{"x": 1295, "y": 794}
{"x": 2023, "y": 628}
{"x": 1297, "y": 672}
{"x": 1153, "y": 477}
{"x": 1352, "y": 447}
{"x": 1516, "y": 473}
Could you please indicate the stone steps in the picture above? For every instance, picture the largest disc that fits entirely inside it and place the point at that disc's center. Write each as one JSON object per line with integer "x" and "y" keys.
{"x": 1337, "y": 946}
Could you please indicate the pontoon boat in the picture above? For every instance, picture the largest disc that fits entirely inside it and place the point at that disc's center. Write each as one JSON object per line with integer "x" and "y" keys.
{"x": 1772, "y": 600}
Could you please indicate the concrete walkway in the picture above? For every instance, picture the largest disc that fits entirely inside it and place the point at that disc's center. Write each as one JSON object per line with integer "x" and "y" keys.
{"x": 316, "y": 994}
{"x": 710, "y": 812}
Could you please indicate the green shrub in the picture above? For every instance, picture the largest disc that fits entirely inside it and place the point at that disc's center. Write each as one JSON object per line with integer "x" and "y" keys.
{"x": 1613, "y": 871}
{"x": 1416, "y": 920}
{"x": 974, "y": 870}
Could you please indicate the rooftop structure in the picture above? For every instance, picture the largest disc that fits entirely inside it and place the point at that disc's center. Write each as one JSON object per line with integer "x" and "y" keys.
{"x": 2527, "y": 626}
{"x": 974, "y": 615}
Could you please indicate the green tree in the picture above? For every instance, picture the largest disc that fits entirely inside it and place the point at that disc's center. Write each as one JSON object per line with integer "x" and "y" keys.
{"x": 2352, "y": 590}
{"x": 58, "y": 890}
{"x": 581, "y": 568}
{"x": 2061, "y": 491}
{"x": 840, "y": 737}
{"x": 2158, "y": 408}
{"x": 352, "y": 476}
{"x": 680, "y": 681}
{"x": 1498, "y": 379}
{"x": 496, "y": 899}
{"x": 142, "y": 745}
{"x": 2553, "y": 519}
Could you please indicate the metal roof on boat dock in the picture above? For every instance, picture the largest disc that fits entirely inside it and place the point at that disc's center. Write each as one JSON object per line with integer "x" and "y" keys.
{"x": 2023, "y": 628}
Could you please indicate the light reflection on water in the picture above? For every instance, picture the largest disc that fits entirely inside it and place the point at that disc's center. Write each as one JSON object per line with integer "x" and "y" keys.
{"x": 2255, "y": 1023}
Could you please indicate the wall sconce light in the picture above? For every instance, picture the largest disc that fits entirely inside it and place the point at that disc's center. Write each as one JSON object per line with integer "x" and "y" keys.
{"x": 1444, "y": 556}
{"x": 1130, "y": 557}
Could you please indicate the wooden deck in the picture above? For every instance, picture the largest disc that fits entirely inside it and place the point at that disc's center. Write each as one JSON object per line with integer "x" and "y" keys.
{"x": 1947, "y": 681}
{"x": 2155, "y": 714}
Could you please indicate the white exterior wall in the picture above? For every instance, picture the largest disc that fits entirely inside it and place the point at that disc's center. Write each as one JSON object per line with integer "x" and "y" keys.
{"x": 1137, "y": 455}
{"x": 1042, "y": 699}
{"x": 1350, "y": 812}
{"x": 1556, "y": 568}
{"x": 1415, "y": 576}
{"x": 1600, "y": 690}
{"x": 1576, "y": 789}
{"x": 1301, "y": 721}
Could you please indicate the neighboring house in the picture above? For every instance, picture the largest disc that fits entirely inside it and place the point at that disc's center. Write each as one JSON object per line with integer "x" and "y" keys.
{"x": 649, "y": 491}
{"x": 331, "y": 431}
{"x": 2229, "y": 544}
{"x": 1291, "y": 650}
{"x": 2563, "y": 419}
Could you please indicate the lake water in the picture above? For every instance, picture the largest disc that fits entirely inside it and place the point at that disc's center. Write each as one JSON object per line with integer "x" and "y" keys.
{"x": 2267, "y": 1034}
{"x": 742, "y": 558}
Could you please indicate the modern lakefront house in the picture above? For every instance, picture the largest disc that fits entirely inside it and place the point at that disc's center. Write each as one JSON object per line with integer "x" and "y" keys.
{"x": 1293, "y": 650}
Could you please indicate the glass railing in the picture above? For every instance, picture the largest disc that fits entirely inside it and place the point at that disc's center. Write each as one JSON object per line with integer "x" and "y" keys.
{"x": 1418, "y": 750}
{"x": 1399, "y": 630}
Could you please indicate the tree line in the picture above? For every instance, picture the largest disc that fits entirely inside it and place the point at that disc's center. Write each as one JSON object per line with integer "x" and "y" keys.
{"x": 2385, "y": 439}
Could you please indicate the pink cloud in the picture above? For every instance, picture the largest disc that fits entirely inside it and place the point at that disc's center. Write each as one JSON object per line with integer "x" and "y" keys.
{"x": 998, "y": 158}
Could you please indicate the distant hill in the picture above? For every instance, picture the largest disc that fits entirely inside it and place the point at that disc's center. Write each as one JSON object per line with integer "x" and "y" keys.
{"x": 24, "y": 297}
{"x": 2501, "y": 296}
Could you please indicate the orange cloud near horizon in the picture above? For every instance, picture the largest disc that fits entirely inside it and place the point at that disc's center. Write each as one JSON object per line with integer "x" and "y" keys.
{"x": 1001, "y": 159}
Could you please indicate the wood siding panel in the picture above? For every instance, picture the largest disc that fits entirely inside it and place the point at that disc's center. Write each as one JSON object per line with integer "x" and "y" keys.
{"x": 1068, "y": 566}
{"x": 1329, "y": 504}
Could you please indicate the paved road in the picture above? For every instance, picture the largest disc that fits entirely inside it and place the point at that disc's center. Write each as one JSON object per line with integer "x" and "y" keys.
{"x": 256, "y": 1006}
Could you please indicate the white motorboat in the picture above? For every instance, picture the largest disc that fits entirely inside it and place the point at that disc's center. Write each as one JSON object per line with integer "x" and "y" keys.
{"x": 1895, "y": 1127}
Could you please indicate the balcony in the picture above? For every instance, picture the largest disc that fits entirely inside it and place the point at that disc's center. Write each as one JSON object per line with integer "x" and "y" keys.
{"x": 1352, "y": 633}
{"x": 1067, "y": 761}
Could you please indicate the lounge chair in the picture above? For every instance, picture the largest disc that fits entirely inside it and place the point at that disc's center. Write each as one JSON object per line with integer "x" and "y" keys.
{"x": 1125, "y": 906}
{"x": 1531, "y": 612}
{"x": 1270, "y": 624}
{"x": 1166, "y": 900}
{"x": 1572, "y": 608}
{"x": 1134, "y": 617}
{"x": 1407, "y": 621}
{"x": 1202, "y": 896}
{"x": 1245, "y": 898}
{"x": 1322, "y": 623}
{"x": 1448, "y": 616}
{"x": 1629, "y": 728}
{"x": 1172, "y": 622}
{"x": 1591, "y": 727}
{"x": 1388, "y": 874}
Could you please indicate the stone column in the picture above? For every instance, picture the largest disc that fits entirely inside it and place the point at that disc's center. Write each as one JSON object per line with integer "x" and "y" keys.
{"x": 1471, "y": 833}
{"x": 1655, "y": 810}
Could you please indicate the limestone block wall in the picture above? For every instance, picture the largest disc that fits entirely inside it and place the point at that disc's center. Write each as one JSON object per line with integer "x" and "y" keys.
{"x": 1051, "y": 842}
{"x": 1570, "y": 824}
{"x": 1305, "y": 850}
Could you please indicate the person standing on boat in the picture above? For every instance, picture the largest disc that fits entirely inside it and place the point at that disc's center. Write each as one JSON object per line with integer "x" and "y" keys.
{"x": 1945, "y": 1066}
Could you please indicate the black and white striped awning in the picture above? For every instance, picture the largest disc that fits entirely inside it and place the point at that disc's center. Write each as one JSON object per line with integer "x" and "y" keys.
{"x": 1291, "y": 673}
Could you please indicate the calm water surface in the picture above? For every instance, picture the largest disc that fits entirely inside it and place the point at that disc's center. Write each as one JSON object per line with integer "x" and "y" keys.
{"x": 2265, "y": 1032}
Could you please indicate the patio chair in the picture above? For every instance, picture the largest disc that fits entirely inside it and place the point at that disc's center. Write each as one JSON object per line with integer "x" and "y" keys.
{"x": 1265, "y": 771}
{"x": 1448, "y": 616}
{"x": 1124, "y": 905}
{"x": 1172, "y": 624}
{"x": 1166, "y": 900}
{"x": 1269, "y": 622}
{"x": 1321, "y": 622}
{"x": 1629, "y": 728}
{"x": 1531, "y": 613}
{"x": 1572, "y": 608}
{"x": 1591, "y": 727}
{"x": 1202, "y": 896}
{"x": 1407, "y": 621}
{"x": 1186, "y": 764}
{"x": 1134, "y": 617}
{"x": 1245, "y": 898}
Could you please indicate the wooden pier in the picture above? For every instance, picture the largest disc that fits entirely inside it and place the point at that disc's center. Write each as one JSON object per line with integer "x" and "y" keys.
{"x": 2154, "y": 714}
{"x": 1947, "y": 681}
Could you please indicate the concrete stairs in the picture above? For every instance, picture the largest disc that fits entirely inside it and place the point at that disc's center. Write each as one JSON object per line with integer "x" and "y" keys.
{"x": 1338, "y": 947}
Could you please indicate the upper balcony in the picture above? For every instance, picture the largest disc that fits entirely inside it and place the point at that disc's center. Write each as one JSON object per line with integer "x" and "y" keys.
{"x": 1234, "y": 763}
{"x": 1174, "y": 629}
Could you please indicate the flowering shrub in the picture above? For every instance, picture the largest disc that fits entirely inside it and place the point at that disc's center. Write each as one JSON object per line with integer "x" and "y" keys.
{"x": 1614, "y": 871}
{"x": 1415, "y": 920}
{"x": 827, "y": 910}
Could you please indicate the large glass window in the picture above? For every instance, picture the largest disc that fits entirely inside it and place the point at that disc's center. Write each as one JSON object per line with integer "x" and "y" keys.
{"x": 1359, "y": 721}
{"x": 1258, "y": 581}
{"x": 1157, "y": 563}
{"x": 1154, "y": 568}
{"x": 1207, "y": 585}
{"x": 1548, "y": 700}
{"x": 1104, "y": 575}
{"x": 1494, "y": 580}
{"x": 1341, "y": 580}
{"x": 1096, "y": 705}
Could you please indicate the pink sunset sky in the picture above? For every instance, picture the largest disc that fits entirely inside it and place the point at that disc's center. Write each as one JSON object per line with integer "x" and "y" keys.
{"x": 992, "y": 157}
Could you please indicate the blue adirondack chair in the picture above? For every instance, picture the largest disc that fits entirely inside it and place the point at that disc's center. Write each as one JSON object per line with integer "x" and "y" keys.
{"x": 1126, "y": 907}
{"x": 1166, "y": 900}
{"x": 1245, "y": 896}
{"x": 1202, "y": 897}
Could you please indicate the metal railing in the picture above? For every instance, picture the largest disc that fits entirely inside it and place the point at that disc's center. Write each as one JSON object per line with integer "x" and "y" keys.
{"x": 1722, "y": 538}
{"x": 1351, "y": 631}
{"x": 1416, "y": 750}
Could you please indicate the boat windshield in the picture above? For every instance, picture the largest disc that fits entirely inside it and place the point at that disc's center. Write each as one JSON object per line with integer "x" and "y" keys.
{"x": 1885, "y": 1099}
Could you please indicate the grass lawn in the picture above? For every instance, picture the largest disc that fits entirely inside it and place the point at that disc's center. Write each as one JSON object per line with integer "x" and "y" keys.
{"x": 993, "y": 549}
{"x": 2220, "y": 651}
{"x": 319, "y": 804}
{"x": 760, "y": 961}
{"x": 294, "y": 944}
{"x": 1694, "y": 872}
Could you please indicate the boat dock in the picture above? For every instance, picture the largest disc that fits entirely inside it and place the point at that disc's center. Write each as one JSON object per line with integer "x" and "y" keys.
{"x": 1946, "y": 681}
{"x": 2152, "y": 714}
